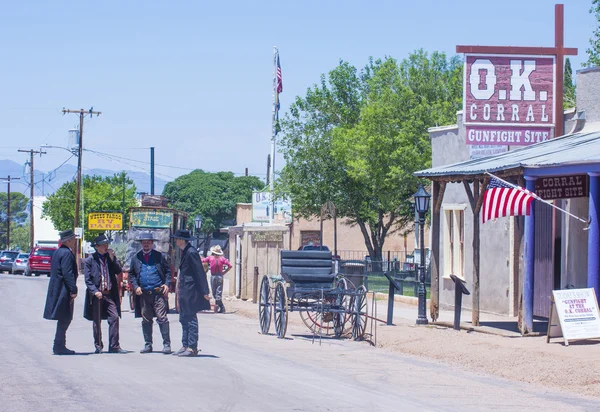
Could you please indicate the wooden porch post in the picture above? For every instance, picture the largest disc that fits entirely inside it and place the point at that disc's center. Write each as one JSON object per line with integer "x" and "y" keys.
{"x": 438, "y": 196}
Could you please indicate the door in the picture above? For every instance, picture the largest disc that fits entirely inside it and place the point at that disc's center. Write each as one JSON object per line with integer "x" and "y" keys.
{"x": 543, "y": 273}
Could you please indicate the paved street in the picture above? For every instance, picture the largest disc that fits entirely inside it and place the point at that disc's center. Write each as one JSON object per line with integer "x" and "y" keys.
{"x": 237, "y": 370}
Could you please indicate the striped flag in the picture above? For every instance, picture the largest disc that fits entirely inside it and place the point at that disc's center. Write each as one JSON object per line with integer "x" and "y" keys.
{"x": 504, "y": 199}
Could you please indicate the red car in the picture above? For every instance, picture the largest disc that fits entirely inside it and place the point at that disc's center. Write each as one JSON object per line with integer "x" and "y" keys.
{"x": 39, "y": 261}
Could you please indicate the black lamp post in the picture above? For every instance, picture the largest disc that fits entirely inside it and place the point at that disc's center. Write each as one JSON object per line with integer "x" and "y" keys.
{"x": 421, "y": 206}
{"x": 198, "y": 226}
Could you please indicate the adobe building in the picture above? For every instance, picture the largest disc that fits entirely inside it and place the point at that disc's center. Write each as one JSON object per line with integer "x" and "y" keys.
{"x": 521, "y": 259}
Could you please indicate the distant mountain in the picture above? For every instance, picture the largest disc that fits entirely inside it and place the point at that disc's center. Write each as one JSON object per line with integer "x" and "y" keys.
{"x": 47, "y": 183}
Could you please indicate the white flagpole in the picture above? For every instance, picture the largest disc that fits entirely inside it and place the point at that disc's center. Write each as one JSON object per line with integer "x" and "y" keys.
{"x": 273, "y": 132}
{"x": 542, "y": 200}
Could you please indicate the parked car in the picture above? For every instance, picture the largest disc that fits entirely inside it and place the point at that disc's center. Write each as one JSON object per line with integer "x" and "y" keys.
{"x": 20, "y": 263}
{"x": 314, "y": 246}
{"x": 39, "y": 261}
{"x": 6, "y": 259}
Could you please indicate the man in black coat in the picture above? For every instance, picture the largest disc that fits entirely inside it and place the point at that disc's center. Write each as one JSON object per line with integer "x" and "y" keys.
{"x": 193, "y": 293}
{"x": 150, "y": 277}
{"x": 102, "y": 298}
{"x": 62, "y": 290}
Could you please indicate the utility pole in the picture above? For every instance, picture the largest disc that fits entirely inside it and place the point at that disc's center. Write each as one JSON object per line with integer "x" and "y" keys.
{"x": 152, "y": 170}
{"x": 8, "y": 179}
{"x": 82, "y": 113}
{"x": 32, "y": 192}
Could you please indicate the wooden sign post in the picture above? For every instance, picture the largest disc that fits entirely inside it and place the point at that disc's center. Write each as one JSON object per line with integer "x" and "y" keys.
{"x": 574, "y": 315}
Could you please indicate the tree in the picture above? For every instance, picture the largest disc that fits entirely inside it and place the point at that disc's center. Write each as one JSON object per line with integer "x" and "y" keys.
{"x": 109, "y": 194}
{"x": 357, "y": 139}
{"x": 211, "y": 195}
{"x": 18, "y": 215}
{"x": 569, "y": 86}
{"x": 594, "y": 51}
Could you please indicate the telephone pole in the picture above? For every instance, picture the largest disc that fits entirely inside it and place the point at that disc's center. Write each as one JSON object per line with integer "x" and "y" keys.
{"x": 82, "y": 113}
{"x": 8, "y": 179}
{"x": 31, "y": 191}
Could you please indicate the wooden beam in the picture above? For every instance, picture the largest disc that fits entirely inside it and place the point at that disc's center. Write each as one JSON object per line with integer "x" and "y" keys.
{"x": 438, "y": 195}
{"x": 476, "y": 260}
{"x": 470, "y": 195}
{"x": 538, "y": 51}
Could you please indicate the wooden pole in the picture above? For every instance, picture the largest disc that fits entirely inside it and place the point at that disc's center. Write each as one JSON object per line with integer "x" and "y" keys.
{"x": 438, "y": 196}
{"x": 559, "y": 12}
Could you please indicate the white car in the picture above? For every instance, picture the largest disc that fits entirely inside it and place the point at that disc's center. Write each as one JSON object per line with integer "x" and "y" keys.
{"x": 20, "y": 263}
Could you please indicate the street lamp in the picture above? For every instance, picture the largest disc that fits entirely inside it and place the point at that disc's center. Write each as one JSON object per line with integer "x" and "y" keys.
{"x": 198, "y": 226}
{"x": 421, "y": 206}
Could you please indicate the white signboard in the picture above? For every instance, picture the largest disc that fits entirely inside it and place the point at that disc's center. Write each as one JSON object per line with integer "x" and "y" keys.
{"x": 479, "y": 151}
{"x": 574, "y": 315}
{"x": 261, "y": 208}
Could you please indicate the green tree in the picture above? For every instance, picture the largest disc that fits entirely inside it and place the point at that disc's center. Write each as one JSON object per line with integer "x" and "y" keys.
{"x": 110, "y": 194}
{"x": 211, "y": 195}
{"x": 19, "y": 236}
{"x": 18, "y": 214}
{"x": 356, "y": 139}
{"x": 593, "y": 51}
{"x": 569, "y": 86}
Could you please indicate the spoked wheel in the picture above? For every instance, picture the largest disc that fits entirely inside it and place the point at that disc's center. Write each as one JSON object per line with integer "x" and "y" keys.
{"x": 341, "y": 301}
{"x": 316, "y": 322}
{"x": 281, "y": 310}
{"x": 359, "y": 313}
{"x": 264, "y": 308}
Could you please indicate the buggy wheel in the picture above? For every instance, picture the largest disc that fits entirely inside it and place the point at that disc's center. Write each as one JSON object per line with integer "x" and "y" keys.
{"x": 341, "y": 301}
{"x": 359, "y": 313}
{"x": 280, "y": 310}
{"x": 317, "y": 322}
{"x": 264, "y": 308}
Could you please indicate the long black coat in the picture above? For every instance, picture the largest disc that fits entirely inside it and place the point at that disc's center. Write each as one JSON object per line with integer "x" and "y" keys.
{"x": 192, "y": 283}
{"x": 135, "y": 268}
{"x": 93, "y": 277}
{"x": 63, "y": 284}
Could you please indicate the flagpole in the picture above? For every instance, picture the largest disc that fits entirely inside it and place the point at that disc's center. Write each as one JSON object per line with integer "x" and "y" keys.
{"x": 536, "y": 197}
{"x": 273, "y": 134}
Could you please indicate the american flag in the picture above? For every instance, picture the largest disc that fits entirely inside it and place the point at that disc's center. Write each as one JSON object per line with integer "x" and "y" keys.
{"x": 503, "y": 199}
{"x": 279, "y": 83}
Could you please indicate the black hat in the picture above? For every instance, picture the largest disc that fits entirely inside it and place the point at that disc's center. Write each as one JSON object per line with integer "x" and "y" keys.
{"x": 66, "y": 235}
{"x": 182, "y": 234}
{"x": 146, "y": 236}
{"x": 100, "y": 240}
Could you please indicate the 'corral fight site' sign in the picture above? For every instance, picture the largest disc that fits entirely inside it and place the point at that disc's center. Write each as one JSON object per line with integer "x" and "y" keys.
{"x": 508, "y": 100}
{"x": 562, "y": 187}
{"x": 105, "y": 221}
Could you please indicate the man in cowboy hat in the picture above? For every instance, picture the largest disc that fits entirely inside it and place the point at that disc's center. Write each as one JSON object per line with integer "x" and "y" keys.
{"x": 62, "y": 290}
{"x": 150, "y": 277}
{"x": 193, "y": 293}
{"x": 102, "y": 297}
{"x": 219, "y": 266}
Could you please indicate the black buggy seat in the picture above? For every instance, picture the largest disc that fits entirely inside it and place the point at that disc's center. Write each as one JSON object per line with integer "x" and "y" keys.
{"x": 307, "y": 268}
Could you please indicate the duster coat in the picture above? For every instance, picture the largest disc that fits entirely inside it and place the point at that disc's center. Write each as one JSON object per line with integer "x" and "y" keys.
{"x": 192, "y": 283}
{"x": 93, "y": 277}
{"x": 63, "y": 284}
{"x": 135, "y": 269}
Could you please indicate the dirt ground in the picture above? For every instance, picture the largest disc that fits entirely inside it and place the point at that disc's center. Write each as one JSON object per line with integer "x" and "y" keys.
{"x": 527, "y": 359}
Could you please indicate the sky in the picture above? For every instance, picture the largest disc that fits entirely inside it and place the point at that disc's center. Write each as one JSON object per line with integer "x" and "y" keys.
{"x": 193, "y": 79}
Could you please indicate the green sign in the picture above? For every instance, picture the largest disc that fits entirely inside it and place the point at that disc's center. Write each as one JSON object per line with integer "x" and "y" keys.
{"x": 151, "y": 218}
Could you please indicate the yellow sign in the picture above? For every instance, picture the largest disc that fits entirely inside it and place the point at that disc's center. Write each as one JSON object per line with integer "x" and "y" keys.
{"x": 105, "y": 221}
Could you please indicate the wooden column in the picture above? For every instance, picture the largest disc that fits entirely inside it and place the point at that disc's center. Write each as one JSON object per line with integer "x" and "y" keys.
{"x": 438, "y": 196}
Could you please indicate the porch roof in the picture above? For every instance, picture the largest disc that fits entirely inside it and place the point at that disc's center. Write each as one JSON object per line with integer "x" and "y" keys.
{"x": 573, "y": 153}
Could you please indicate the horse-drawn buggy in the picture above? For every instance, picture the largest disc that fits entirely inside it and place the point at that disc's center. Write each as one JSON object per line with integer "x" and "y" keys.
{"x": 328, "y": 304}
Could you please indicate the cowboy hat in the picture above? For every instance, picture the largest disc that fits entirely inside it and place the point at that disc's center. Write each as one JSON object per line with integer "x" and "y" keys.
{"x": 147, "y": 235}
{"x": 182, "y": 234}
{"x": 216, "y": 250}
{"x": 101, "y": 240}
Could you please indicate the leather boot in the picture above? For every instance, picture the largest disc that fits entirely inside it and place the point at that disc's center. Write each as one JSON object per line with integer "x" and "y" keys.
{"x": 147, "y": 331}
{"x": 164, "y": 330}
{"x": 221, "y": 306}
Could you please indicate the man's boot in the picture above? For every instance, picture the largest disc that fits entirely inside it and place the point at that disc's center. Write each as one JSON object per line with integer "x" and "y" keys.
{"x": 221, "y": 306}
{"x": 147, "y": 331}
{"x": 164, "y": 330}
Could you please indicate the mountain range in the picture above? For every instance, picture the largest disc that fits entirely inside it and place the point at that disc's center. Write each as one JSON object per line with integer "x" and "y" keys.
{"x": 47, "y": 182}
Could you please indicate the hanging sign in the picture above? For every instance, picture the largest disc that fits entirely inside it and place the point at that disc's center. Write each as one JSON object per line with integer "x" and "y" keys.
{"x": 573, "y": 315}
{"x": 261, "y": 208}
{"x": 508, "y": 99}
{"x": 151, "y": 218}
{"x": 105, "y": 221}
{"x": 562, "y": 187}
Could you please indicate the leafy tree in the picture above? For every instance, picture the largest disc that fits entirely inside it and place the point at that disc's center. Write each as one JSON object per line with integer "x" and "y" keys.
{"x": 211, "y": 195}
{"x": 113, "y": 193}
{"x": 569, "y": 86}
{"x": 357, "y": 138}
{"x": 18, "y": 214}
{"x": 19, "y": 236}
{"x": 594, "y": 51}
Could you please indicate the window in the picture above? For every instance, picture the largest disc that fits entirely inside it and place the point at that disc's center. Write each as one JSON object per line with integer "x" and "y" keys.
{"x": 454, "y": 240}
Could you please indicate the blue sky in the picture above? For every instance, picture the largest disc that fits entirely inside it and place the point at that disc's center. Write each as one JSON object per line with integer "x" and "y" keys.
{"x": 194, "y": 78}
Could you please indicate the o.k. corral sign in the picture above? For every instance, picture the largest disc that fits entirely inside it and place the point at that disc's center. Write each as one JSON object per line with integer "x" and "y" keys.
{"x": 508, "y": 99}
